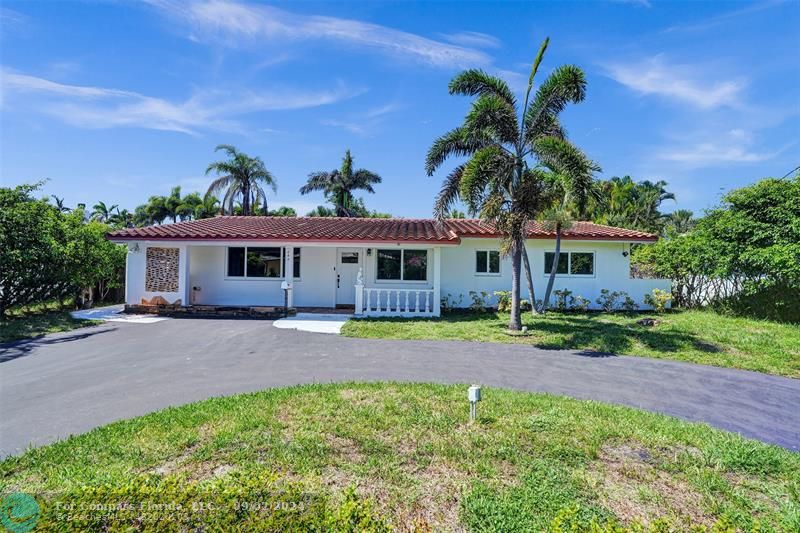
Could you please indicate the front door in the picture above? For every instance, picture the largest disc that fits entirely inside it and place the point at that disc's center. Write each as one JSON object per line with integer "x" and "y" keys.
{"x": 348, "y": 261}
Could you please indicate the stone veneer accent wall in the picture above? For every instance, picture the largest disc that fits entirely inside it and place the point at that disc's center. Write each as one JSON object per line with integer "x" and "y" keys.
{"x": 161, "y": 274}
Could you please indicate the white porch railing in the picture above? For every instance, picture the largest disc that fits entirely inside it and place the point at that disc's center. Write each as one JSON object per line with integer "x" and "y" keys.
{"x": 377, "y": 301}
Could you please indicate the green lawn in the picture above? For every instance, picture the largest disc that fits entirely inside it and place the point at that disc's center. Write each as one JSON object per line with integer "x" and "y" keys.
{"x": 701, "y": 337}
{"x": 23, "y": 326}
{"x": 351, "y": 457}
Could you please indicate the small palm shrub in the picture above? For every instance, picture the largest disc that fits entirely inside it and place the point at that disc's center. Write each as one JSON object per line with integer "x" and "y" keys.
{"x": 658, "y": 300}
{"x": 628, "y": 303}
{"x": 449, "y": 302}
{"x": 579, "y": 303}
{"x": 608, "y": 300}
{"x": 562, "y": 299}
{"x": 480, "y": 301}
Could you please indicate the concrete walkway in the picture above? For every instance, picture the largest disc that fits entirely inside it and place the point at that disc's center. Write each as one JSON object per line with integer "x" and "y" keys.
{"x": 72, "y": 382}
{"x": 314, "y": 322}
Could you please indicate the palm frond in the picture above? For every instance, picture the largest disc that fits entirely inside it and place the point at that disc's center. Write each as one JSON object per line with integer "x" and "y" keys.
{"x": 458, "y": 142}
{"x": 490, "y": 113}
{"x": 567, "y": 84}
{"x": 474, "y": 82}
{"x": 449, "y": 194}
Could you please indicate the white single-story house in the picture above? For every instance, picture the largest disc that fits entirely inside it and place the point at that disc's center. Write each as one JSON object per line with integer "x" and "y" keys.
{"x": 396, "y": 266}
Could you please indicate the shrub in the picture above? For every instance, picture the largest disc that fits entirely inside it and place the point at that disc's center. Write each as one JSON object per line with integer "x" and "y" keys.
{"x": 504, "y": 302}
{"x": 608, "y": 300}
{"x": 449, "y": 302}
{"x": 658, "y": 300}
{"x": 579, "y": 303}
{"x": 479, "y": 301}
{"x": 628, "y": 303}
{"x": 562, "y": 297}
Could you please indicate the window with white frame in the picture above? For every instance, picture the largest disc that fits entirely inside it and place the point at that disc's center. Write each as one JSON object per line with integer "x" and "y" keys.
{"x": 487, "y": 262}
{"x": 260, "y": 262}
{"x": 570, "y": 263}
{"x": 402, "y": 265}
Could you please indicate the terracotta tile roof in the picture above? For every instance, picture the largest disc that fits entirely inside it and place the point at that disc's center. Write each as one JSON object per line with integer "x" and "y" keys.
{"x": 357, "y": 230}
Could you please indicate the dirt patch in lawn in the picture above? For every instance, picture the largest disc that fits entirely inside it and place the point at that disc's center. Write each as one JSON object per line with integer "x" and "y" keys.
{"x": 630, "y": 484}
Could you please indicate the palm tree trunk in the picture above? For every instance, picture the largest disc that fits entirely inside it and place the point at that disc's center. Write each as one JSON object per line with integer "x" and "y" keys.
{"x": 515, "y": 322}
{"x": 245, "y": 200}
{"x": 528, "y": 278}
{"x": 553, "y": 269}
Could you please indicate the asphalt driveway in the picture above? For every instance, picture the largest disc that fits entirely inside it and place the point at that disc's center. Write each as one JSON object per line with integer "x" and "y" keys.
{"x": 72, "y": 382}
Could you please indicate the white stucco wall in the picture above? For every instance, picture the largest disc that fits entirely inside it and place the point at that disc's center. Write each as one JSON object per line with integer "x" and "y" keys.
{"x": 204, "y": 266}
{"x": 136, "y": 263}
{"x": 611, "y": 271}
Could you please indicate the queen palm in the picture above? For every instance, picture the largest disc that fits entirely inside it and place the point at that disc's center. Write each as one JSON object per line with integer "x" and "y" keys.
{"x": 241, "y": 179}
{"x": 338, "y": 185}
{"x": 572, "y": 185}
{"x": 496, "y": 182}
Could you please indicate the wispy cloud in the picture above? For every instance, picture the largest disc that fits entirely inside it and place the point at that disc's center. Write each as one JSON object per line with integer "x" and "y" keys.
{"x": 640, "y": 3}
{"x": 99, "y": 107}
{"x": 679, "y": 82}
{"x": 733, "y": 146}
{"x": 472, "y": 39}
{"x": 233, "y": 21}
{"x": 718, "y": 20}
{"x": 364, "y": 124}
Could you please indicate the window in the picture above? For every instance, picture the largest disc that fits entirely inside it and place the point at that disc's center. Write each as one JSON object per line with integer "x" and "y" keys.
{"x": 572, "y": 263}
{"x": 296, "y": 264}
{"x": 349, "y": 258}
{"x": 402, "y": 265}
{"x": 260, "y": 262}
{"x": 236, "y": 262}
{"x": 487, "y": 262}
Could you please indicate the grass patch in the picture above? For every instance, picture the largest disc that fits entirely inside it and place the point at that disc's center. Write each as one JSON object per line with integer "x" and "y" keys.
{"x": 701, "y": 337}
{"x": 354, "y": 457}
{"x": 23, "y": 326}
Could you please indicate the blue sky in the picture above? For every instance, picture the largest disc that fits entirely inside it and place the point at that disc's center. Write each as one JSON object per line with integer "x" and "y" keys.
{"x": 117, "y": 101}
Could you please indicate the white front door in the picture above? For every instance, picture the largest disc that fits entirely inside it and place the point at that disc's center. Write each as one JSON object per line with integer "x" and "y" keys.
{"x": 348, "y": 261}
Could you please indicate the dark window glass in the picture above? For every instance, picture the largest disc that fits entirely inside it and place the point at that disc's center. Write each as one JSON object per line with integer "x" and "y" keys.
{"x": 415, "y": 265}
{"x": 581, "y": 263}
{"x": 494, "y": 262}
{"x": 480, "y": 262}
{"x": 563, "y": 262}
{"x": 236, "y": 261}
{"x": 349, "y": 258}
{"x": 388, "y": 264}
{"x": 264, "y": 262}
{"x": 296, "y": 263}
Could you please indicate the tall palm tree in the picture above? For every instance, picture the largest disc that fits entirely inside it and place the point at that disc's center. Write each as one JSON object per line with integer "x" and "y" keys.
{"x": 497, "y": 182}
{"x": 241, "y": 178}
{"x": 626, "y": 203}
{"x": 572, "y": 180}
{"x": 681, "y": 221}
{"x": 210, "y": 207}
{"x": 101, "y": 212}
{"x": 122, "y": 219}
{"x": 338, "y": 185}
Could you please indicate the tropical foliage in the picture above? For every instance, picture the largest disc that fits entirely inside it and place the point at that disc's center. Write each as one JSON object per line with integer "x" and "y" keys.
{"x": 242, "y": 178}
{"x": 498, "y": 182}
{"x": 338, "y": 186}
{"x": 50, "y": 254}
{"x": 625, "y": 203}
{"x": 743, "y": 256}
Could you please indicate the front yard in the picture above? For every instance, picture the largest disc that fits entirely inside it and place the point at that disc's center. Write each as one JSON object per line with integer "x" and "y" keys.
{"x": 37, "y": 320}
{"x": 360, "y": 457}
{"x": 701, "y": 337}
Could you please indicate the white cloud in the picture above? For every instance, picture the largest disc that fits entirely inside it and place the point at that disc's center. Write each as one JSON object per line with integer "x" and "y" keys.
{"x": 472, "y": 39}
{"x": 99, "y": 107}
{"x": 364, "y": 124}
{"x": 232, "y": 22}
{"x": 655, "y": 77}
{"x": 733, "y": 146}
{"x": 640, "y": 3}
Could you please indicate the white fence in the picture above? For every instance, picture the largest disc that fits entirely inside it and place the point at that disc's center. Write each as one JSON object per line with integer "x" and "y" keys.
{"x": 376, "y": 301}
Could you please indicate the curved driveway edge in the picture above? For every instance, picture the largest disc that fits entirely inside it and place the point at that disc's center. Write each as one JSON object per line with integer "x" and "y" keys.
{"x": 72, "y": 382}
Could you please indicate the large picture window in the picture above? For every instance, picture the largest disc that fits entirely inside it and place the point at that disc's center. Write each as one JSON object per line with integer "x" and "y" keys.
{"x": 402, "y": 265}
{"x": 571, "y": 263}
{"x": 260, "y": 262}
{"x": 487, "y": 262}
